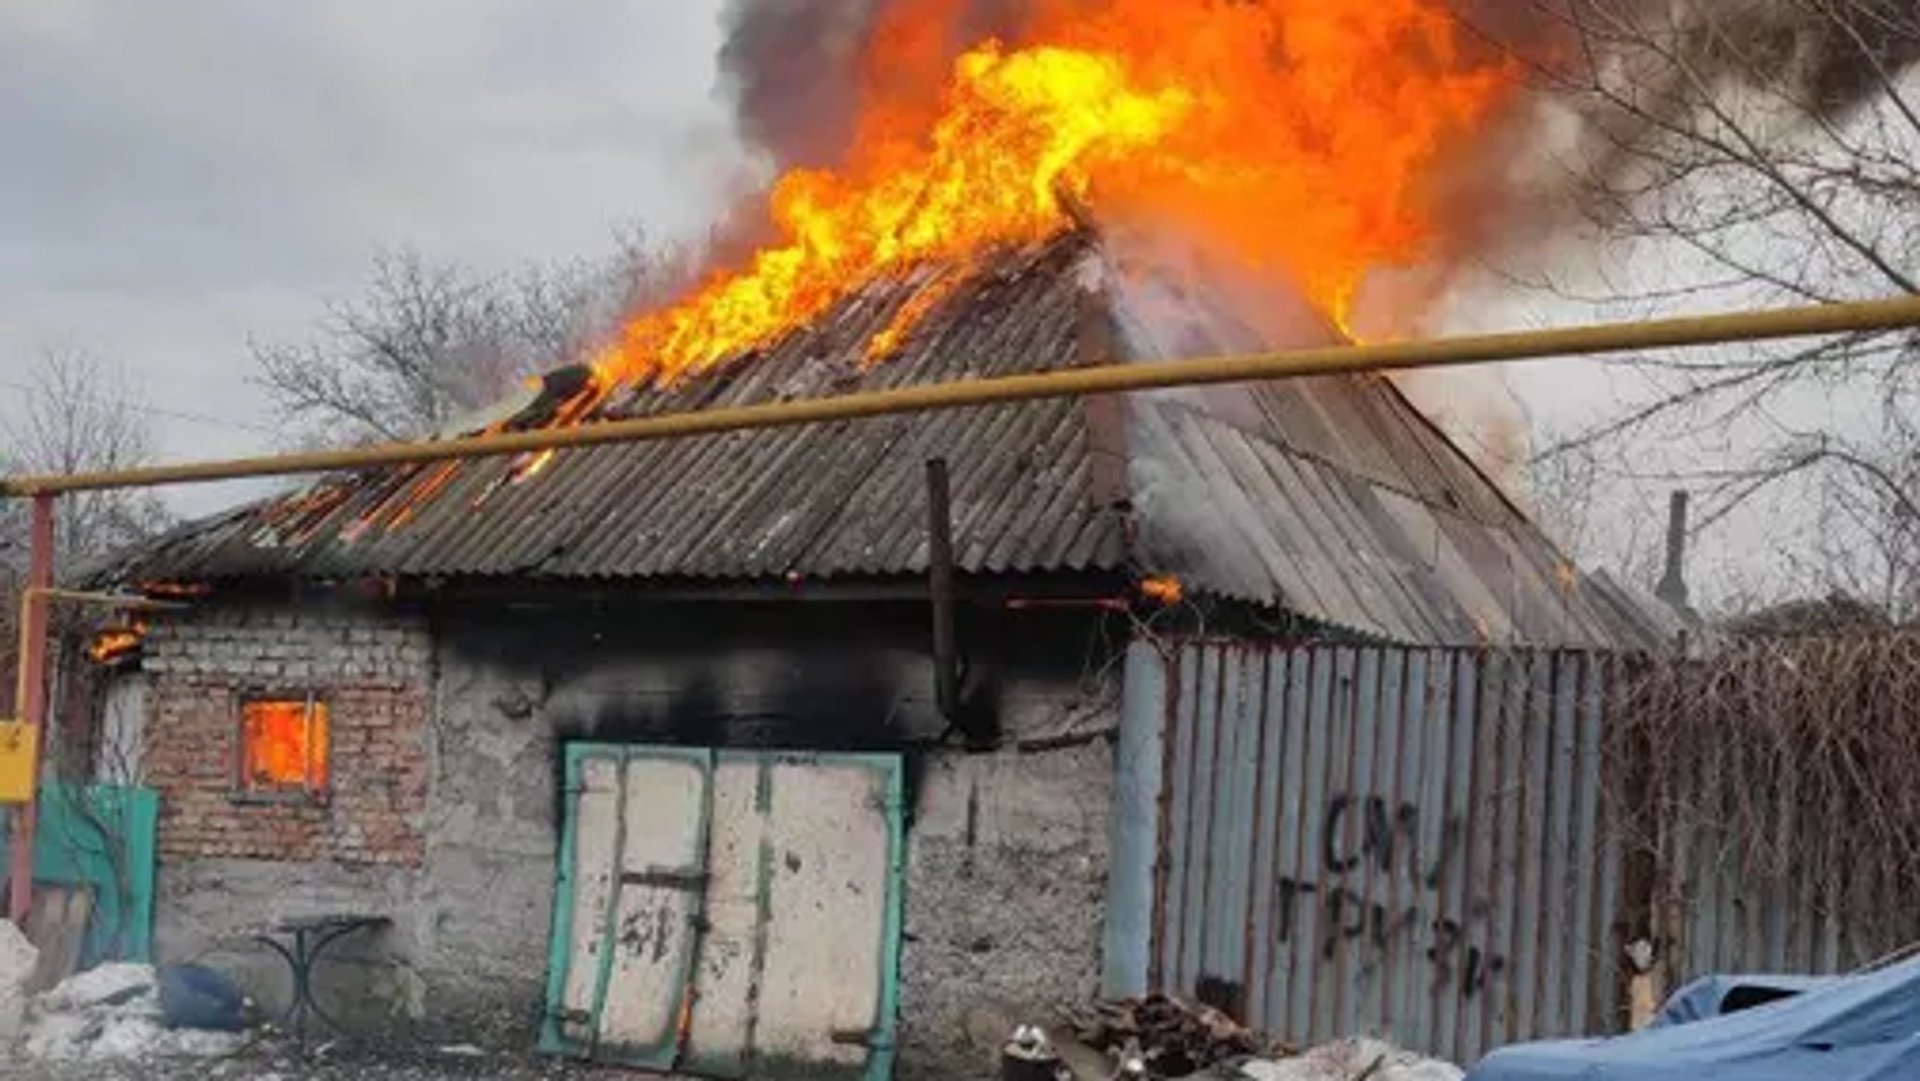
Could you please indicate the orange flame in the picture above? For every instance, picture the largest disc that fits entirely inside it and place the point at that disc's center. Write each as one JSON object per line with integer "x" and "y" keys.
{"x": 190, "y": 590}
{"x": 284, "y": 745}
{"x": 1566, "y": 574}
{"x": 1165, "y": 589}
{"x": 1300, "y": 136}
{"x": 116, "y": 643}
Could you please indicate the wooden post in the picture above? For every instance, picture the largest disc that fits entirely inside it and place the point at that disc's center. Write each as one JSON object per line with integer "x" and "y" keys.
{"x": 1640, "y": 942}
{"x": 946, "y": 651}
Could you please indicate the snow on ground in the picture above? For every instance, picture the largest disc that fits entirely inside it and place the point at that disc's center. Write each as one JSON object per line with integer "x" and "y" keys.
{"x": 17, "y": 957}
{"x": 1348, "y": 1060}
{"x": 281, "y": 1063}
{"x": 111, "y": 1013}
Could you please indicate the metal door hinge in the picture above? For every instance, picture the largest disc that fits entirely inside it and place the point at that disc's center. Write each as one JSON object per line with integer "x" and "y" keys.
{"x": 666, "y": 878}
{"x": 871, "y": 1039}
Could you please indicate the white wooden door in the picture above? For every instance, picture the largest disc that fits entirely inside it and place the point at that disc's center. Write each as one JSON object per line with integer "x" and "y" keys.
{"x": 729, "y": 914}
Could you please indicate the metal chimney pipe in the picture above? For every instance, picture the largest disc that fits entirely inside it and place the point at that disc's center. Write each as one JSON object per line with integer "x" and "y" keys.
{"x": 1673, "y": 583}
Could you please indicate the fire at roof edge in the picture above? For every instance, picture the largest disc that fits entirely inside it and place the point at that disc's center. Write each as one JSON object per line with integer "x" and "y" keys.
{"x": 1331, "y": 497}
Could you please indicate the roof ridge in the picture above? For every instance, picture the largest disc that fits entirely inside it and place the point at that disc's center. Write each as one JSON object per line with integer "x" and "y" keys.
{"x": 839, "y": 500}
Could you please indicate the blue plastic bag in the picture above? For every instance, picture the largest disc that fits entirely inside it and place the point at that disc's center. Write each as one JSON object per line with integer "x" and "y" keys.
{"x": 195, "y": 996}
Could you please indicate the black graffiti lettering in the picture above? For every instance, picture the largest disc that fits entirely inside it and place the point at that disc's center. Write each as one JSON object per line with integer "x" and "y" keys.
{"x": 1389, "y": 837}
{"x": 1447, "y": 936}
{"x": 1335, "y": 862}
{"x": 1481, "y": 969}
{"x": 1379, "y": 836}
{"x": 1386, "y": 839}
{"x": 1387, "y": 830}
{"x": 1359, "y": 916}
{"x": 1389, "y": 927}
{"x": 1339, "y": 903}
{"x": 1472, "y": 979}
{"x": 1348, "y": 918}
{"x": 1456, "y": 961}
{"x": 1288, "y": 903}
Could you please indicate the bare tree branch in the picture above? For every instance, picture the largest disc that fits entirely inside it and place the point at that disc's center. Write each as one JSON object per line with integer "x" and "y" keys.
{"x": 429, "y": 342}
{"x": 1756, "y": 150}
{"x": 76, "y": 415}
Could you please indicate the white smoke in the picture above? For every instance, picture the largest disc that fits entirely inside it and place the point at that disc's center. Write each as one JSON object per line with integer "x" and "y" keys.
{"x": 1169, "y": 299}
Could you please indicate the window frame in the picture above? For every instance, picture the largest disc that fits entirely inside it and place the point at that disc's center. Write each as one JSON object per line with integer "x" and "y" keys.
{"x": 240, "y": 790}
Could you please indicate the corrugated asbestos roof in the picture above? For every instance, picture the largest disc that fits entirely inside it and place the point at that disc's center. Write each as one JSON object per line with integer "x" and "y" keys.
{"x": 1639, "y": 613}
{"x": 1331, "y": 497}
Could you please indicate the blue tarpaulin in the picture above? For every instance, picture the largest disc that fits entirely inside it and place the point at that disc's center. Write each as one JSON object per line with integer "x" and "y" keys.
{"x": 1711, "y": 996}
{"x": 1861, "y": 1028}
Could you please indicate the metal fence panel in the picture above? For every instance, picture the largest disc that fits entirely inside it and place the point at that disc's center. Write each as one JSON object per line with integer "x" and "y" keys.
{"x": 1384, "y": 840}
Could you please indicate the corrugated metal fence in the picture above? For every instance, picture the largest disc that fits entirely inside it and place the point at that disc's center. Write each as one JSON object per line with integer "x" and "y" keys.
{"x": 1407, "y": 842}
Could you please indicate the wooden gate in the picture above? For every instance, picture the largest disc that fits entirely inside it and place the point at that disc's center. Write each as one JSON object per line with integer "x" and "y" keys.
{"x": 728, "y": 914}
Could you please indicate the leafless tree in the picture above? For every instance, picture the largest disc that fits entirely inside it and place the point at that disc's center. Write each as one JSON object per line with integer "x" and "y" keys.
{"x": 1576, "y": 496}
{"x": 79, "y": 415}
{"x": 1869, "y": 545}
{"x": 76, "y": 414}
{"x": 1744, "y": 153}
{"x": 431, "y": 341}
{"x": 424, "y": 344}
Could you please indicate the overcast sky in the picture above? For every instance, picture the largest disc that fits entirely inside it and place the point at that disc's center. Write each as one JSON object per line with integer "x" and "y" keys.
{"x": 180, "y": 176}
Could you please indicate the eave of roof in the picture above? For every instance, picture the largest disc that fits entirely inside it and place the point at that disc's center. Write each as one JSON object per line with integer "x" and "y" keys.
{"x": 1332, "y": 497}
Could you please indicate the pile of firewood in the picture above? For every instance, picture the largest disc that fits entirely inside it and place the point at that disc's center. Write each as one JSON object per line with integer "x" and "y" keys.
{"x": 1174, "y": 1037}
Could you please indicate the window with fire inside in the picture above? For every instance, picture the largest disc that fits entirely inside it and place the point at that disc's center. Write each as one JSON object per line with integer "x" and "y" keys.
{"x": 283, "y": 749}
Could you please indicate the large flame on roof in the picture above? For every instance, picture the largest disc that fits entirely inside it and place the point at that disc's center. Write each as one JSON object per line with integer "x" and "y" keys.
{"x": 1301, "y": 136}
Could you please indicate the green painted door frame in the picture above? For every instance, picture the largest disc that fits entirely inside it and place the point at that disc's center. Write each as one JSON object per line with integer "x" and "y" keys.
{"x": 101, "y": 838}
{"x": 560, "y": 1032}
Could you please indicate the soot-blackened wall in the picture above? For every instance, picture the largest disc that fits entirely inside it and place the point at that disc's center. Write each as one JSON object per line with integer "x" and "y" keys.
{"x": 1006, "y": 847}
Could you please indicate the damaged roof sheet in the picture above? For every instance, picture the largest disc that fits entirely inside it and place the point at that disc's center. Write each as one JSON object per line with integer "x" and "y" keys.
{"x": 1332, "y": 497}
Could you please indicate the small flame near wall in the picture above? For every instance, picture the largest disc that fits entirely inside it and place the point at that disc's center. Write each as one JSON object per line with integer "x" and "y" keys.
{"x": 1163, "y": 589}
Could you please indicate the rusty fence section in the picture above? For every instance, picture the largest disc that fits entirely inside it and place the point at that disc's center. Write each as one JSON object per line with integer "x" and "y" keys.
{"x": 1399, "y": 841}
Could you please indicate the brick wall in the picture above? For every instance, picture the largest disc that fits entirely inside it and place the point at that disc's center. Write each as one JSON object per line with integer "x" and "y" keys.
{"x": 374, "y": 672}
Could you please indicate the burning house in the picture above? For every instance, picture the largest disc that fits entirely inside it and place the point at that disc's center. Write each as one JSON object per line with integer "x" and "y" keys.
{"x": 410, "y": 692}
{"x": 796, "y": 747}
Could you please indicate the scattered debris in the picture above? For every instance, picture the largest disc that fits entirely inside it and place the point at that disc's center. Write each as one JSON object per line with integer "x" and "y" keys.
{"x": 1030, "y": 1056}
{"x": 113, "y": 1012}
{"x": 1174, "y": 1037}
{"x": 1129, "y": 1065}
{"x": 1346, "y": 1060}
{"x": 461, "y": 1050}
{"x": 17, "y": 961}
